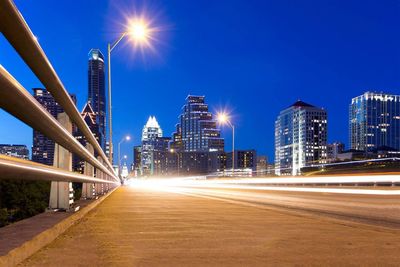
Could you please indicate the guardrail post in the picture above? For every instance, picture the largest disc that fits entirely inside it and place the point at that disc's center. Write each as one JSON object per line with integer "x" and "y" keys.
{"x": 100, "y": 175}
{"x": 106, "y": 186}
{"x": 88, "y": 191}
{"x": 61, "y": 193}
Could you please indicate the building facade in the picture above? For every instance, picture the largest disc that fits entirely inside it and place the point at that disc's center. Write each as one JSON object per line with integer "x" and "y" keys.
{"x": 262, "y": 164}
{"x": 150, "y": 134}
{"x": 43, "y": 147}
{"x": 137, "y": 160}
{"x": 197, "y": 144}
{"x": 374, "y": 122}
{"x": 176, "y": 141}
{"x": 161, "y": 156}
{"x": 17, "y": 151}
{"x": 300, "y": 138}
{"x": 244, "y": 159}
{"x": 96, "y": 91}
{"x": 197, "y": 130}
{"x": 89, "y": 116}
{"x": 334, "y": 150}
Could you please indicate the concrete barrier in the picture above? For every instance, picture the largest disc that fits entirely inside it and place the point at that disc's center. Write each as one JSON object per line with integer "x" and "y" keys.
{"x": 30, "y": 247}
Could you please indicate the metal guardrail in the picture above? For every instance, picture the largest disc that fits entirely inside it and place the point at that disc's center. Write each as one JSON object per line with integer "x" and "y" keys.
{"x": 17, "y": 101}
{"x": 20, "y": 103}
{"x": 19, "y": 35}
{"x": 13, "y": 168}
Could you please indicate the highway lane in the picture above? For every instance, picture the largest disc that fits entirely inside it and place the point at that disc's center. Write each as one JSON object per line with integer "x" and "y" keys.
{"x": 164, "y": 225}
{"x": 381, "y": 210}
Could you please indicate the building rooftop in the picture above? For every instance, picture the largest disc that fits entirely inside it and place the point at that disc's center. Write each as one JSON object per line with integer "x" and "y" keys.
{"x": 95, "y": 54}
{"x": 300, "y": 103}
{"x": 87, "y": 111}
{"x": 152, "y": 122}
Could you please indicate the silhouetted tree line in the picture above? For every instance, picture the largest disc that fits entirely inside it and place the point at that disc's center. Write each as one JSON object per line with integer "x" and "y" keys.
{"x": 22, "y": 199}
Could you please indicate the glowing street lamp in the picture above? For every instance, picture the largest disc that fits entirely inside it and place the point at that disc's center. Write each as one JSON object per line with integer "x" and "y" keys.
{"x": 140, "y": 34}
{"x": 126, "y": 138}
{"x": 139, "y": 31}
{"x": 223, "y": 118}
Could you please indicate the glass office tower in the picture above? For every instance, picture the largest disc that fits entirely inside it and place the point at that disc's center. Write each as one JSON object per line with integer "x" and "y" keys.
{"x": 150, "y": 134}
{"x": 198, "y": 129}
{"x": 43, "y": 147}
{"x": 96, "y": 91}
{"x": 300, "y": 138}
{"x": 374, "y": 121}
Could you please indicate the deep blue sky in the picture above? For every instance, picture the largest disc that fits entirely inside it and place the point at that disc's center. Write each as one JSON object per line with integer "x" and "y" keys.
{"x": 254, "y": 58}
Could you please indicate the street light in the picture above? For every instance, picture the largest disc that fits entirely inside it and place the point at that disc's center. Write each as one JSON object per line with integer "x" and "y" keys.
{"x": 140, "y": 34}
{"x": 126, "y": 138}
{"x": 223, "y": 118}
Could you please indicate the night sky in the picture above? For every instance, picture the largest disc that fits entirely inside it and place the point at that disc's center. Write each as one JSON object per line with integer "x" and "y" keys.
{"x": 252, "y": 58}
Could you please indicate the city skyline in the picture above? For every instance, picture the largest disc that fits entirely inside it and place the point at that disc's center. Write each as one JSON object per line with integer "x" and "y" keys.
{"x": 352, "y": 69}
{"x": 200, "y": 133}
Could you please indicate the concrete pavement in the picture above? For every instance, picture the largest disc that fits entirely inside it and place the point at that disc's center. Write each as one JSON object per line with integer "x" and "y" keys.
{"x": 143, "y": 227}
{"x": 381, "y": 210}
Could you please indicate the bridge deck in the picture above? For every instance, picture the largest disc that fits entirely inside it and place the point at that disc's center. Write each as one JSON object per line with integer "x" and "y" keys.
{"x": 138, "y": 227}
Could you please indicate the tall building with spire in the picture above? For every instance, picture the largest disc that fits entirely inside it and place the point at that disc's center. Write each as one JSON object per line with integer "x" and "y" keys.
{"x": 96, "y": 91}
{"x": 300, "y": 138}
{"x": 150, "y": 135}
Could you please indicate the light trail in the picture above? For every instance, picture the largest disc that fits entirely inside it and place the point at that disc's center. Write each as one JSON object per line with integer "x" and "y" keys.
{"x": 379, "y": 207}
{"x": 314, "y": 180}
{"x": 372, "y": 206}
{"x": 179, "y": 184}
{"x": 305, "y": 189}
{"x": 321, "y": 165}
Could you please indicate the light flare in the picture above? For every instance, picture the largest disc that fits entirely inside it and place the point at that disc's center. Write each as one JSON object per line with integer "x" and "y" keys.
{"x": 140, "y": 32}
{"x": 222, "y": 117}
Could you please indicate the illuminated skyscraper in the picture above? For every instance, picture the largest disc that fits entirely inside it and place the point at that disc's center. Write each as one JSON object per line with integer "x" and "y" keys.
{"x": 198, "y": 129}
{"x": 43, "y": 147}
{"x": 96, "y": 91}
{"x": 151, "y": 132}
{"x": 197, "y": 143}
{"x": 300, "y": 138}
{"x": 374, "y": 121}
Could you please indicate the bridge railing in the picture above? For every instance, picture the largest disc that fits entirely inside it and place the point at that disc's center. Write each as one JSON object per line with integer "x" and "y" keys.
{"x": 17, "y": 101}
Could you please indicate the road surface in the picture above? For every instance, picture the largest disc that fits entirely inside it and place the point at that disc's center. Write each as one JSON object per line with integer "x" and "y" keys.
{"x": 155, "y": 226}
{"x": 381, "y": 210}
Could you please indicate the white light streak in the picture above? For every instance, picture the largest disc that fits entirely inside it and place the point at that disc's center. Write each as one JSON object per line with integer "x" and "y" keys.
{"x": 273, "y": 184}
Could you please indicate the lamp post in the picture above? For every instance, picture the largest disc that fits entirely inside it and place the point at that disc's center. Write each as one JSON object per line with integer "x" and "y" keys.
{"x": 126, "y": 138}
{"x": 139, "y": 33}
{"x": 224, "y": 119}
